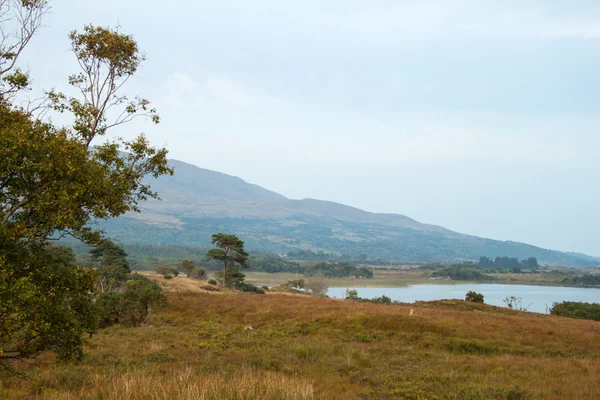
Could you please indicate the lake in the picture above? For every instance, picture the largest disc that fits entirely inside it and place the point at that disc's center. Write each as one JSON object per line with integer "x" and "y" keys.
{"x": 534, "y": 298}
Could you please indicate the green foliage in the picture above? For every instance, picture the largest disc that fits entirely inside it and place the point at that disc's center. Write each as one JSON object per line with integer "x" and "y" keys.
{"x": 198, "y": 273}
{"x": 187, "y": 267}
{"x": 462, "y": 273}
{"x": 131, "y": 306}
{"x": 168, "y": 276}
{"x": 229, "y": 250}
{"x": 273, "y": 263}
{"x": 248, "y": 287}
{"x": 46, "y": 302}
{"x": 54, "y": 182}
{"x": 338, "y": 270}
{"x": 474, "y": 297}
{"x": 382, "y": 300}
{"x": 232, "y": 276}
{"x": 576, "y": 309}
{"x": 212, "y": 282}
{"x": 113, "y": 267}
{"x": 166, "y": 270}
{"x": 352, "y": 294}
{"x": 509, "y": 263}
{"x": 587, "y": 280}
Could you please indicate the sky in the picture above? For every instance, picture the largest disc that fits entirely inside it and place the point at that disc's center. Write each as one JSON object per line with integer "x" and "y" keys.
{"x": 479, "y": 116}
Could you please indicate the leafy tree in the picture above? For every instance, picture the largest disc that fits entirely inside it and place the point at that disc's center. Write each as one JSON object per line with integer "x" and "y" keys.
{"x": 46, "y": 302}
{"x": 20, "y": 20}
{"x": 113, "y": 269}
{"x": 230, "y": 251}
{"x": 166, "y": 270}
{"x": 55, "y": 180}
{"x": 187, "y": 267}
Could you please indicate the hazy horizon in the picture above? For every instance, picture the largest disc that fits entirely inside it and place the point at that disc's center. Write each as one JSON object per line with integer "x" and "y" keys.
{"x": 473, "y": 116}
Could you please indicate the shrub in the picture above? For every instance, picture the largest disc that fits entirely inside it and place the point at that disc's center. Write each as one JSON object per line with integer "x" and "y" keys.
{"x": 382, "y": 300}
{"x": 168, "y": 276}
{"x": 474, "y": 297}
{"x": 212, "y": 282}
{"x": 109, "y": 306}
{"x": 317, "y": 286}
{"x": 248, "y": 287}
{"x": 576, "y": 309}
{"x": 132, "y": 305}
{"x": 352, "y": 294}
{"x": 296, "y": 284}
{"x": 198, "y": 273}
{"x": 515, "y": 303}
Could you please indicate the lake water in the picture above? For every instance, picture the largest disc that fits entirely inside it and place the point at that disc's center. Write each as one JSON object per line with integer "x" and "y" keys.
{"x": 534, "y": 298}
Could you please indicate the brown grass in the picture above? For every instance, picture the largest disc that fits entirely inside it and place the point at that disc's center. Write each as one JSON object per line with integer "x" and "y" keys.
{"x": 244, "y": 346}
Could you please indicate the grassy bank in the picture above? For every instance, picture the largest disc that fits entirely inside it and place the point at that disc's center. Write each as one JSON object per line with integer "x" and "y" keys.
{"x": 276, "y": 346}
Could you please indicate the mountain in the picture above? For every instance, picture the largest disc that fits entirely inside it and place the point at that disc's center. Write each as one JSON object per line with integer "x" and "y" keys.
{"x": 198, "y": 202}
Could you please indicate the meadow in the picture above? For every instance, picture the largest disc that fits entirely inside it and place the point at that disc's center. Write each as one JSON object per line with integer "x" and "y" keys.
{"x": 229, "y": 345}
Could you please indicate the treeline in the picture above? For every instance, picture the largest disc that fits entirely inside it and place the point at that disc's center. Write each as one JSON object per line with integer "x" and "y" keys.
{"x": 461, "y": 272}
{"x": 320, "y": 255}
{"x": 338, "y": 270}
{"x": 578, "y": 310}
{"x": 272, "y": 263}
{"x": 508, "y": 263}
{"x": 582, "y": 280}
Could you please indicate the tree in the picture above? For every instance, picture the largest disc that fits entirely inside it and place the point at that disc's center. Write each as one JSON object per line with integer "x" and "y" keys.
{"x": 474, "y": 297}
{"x": 166, "y": 270}
{"x": 113, "y": 268}
{"x": 187, "y": 267}
{"x": 46, "y": 303}
{"x": 19, "y": 20}
{"x": 55, "y": 180}
{"x": 317, "y": 286}
{"x": 230, "y": 251}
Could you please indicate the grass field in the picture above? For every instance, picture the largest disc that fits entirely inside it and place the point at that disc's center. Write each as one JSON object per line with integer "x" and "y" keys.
{"x": 228, "y": 345}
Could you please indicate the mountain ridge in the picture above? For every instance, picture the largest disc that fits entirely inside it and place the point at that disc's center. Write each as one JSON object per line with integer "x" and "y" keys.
{"x": 197, "y": 202}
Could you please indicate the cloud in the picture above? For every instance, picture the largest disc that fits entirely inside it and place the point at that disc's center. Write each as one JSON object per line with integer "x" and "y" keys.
{"x": 466, "y": 16}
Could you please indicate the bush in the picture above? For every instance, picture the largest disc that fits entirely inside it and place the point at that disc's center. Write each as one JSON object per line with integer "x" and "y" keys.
{"x": 168, "y": 276}
{"x": 248, "y": 287}
{"x": 212, "y": 282}
{"x": 352, "y": 294}
{"x": 296, "y": 284}
{"x": 131, "y": 306}
{"x": 574, "y": 309}
{"x": 474, "y": 297}
{"x": 198, "y": 273}
{"x": 382, "y": 300}
{"x": 109, "y": 306}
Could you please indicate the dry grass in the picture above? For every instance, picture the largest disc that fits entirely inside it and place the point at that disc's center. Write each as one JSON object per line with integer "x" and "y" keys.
{"x": 244, "y": 346}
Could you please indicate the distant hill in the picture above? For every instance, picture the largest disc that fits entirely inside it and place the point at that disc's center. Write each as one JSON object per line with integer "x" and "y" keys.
{"x": 198, "y": 202}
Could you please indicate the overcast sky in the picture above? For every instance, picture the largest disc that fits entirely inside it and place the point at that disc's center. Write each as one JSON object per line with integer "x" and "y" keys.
{"x": 476, "y": 116}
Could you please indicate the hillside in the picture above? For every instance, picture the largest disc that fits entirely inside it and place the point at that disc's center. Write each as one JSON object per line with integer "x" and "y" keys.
{"x": 276, "y": 346}
{"x": 197, "y": 202}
